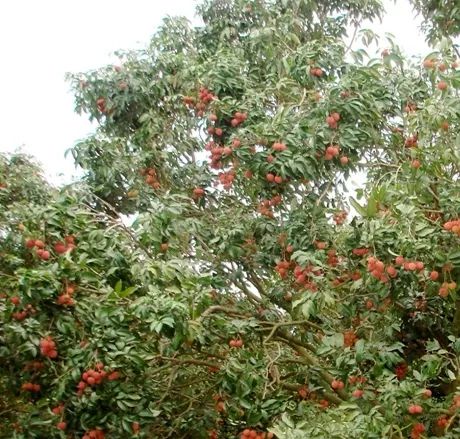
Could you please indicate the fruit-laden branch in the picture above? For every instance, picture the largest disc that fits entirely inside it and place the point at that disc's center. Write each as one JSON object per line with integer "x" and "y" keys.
{"x": 222, "y": 309}
{"x": 331, "y": 397}
{"x": 310, "y": 359}
{"x": 276, "y": 326}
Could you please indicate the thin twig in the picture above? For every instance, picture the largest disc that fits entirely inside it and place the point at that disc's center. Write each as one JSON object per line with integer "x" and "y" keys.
{"x": 324, "y": 193}
{"x": 352, "y": 39}
{"x": 124, "y": 227}
{"x": 190, "y": 361}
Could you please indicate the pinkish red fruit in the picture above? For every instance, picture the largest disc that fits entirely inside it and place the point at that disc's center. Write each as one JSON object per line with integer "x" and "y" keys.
{"x": 415, "y": 409}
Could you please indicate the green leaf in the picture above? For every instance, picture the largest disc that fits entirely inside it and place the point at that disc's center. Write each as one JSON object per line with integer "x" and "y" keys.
{"x": 360, "y": 209}
{"x": 127, "y": 292}
{"x": 118, "y": 287}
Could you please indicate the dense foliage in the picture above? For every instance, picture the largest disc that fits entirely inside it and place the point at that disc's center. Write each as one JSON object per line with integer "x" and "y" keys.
{"x": 265, "y": 243}
{"x": 441, "y": 17}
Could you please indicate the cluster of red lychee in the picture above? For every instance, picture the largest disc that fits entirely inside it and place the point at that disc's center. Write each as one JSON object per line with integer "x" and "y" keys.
{"x": 337, "y": 385}
{"x": 265, "y": 209}
{"x": 65, "y": 298}
{"x": 34, "y": 365}
{"x": 369, "y": 304}
{"x": 220, "y": 152}
{"x": 442, "y": 421}
{"x": 354, "y": 275}
{"x": 250, "y": 246}
{"x": 446, "y": 288}
{"x": 303, "y": 392}
{"x": 216, "y": 154}
{"x": 93, "y": 377}
{"x": 409, "y": 265}
{"x": 236, "y": 143}
{"x": 303, "y": 277}
{"x": 332, "y": 120}
{"x": 276, "y": 200}
{"x": 316, "y": 71}
{"x": 272, "y": 178}
{"x": 21, "y": 315}
{"x": 340, "y": 217}
{"x": 409, "y": 108}
{"x": 432, "y": 63}
{"x": 189, "y": 101}
{"x": 411, "y": 141}
{"x": 360, "y": 251}
{"x": 94, "y": 434}
{"x": 215, "y": 131}
{"x": 58, "y": 411}
{"x": 444, "y": 125}
{"x": 249, "y": 433}
{"x": 204, "y": 98}
{"x": 238, "y": 118}
{"x": 417, "y": 430}
{"x": 282, "y": 267}
{"x": 31, "y": 387}
{"x": 349, "y": 338}
{"x": 205, "y": 95}
{"x": 320, "y": 245}
{"x": 151, "y": 177}
{"x": 356, "y": 380}
{"x": 65, "y": 246}
{"x": 378, "y": 270}
{"x": 236, "y": 343}
{"x": 455, "y": 403}
{"x": 331, "y": 152}
{"x": 101, "y": 105}
{"x": 61, "y": 425}
{"x": 332, "y": 258}
{"x": 452, "y": 226}
{"x": 415, "y": 409}
{"x": 198, "y": 193}
{"x": 48, "y": 347}
{"x": 220, "y": 403}
{"x": 279, "y": 147}
{"x": 339, "y": 280}
{"x": 136, "y": 427}
{"x": 442, "y": 85}
{"x": 226, "y": 178}
{"x": 40, "y": 251}
{"x": 401, "y": 370}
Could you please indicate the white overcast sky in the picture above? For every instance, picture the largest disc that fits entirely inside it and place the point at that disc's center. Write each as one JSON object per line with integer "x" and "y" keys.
{"x": 42, "y": 40}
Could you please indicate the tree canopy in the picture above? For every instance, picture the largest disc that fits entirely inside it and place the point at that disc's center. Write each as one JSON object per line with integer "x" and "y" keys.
{"x": 265, "y": 242}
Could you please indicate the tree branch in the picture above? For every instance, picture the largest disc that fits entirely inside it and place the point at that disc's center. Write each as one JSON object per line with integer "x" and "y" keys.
{"x": 310, "y": 359}
{"x": 190, "y": 361}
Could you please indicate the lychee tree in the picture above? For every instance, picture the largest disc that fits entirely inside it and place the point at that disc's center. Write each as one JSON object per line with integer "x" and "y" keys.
{"x": 218, "y": 271}
{"x": 440, "y": 18}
